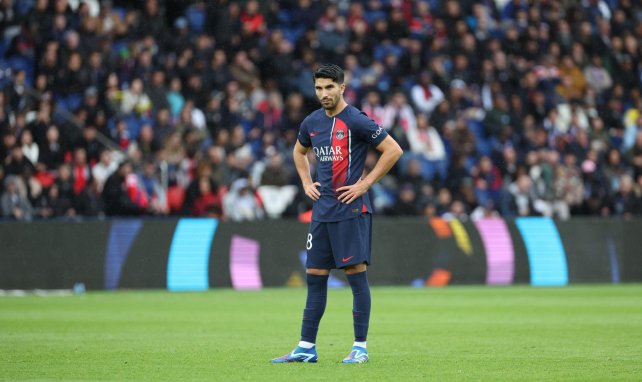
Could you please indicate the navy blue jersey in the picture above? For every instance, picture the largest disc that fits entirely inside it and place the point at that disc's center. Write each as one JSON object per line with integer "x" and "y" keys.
{"x": 340, "y": 144}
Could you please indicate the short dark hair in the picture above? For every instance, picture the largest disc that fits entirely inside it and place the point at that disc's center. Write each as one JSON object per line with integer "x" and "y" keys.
{"x": 331, "y": 71}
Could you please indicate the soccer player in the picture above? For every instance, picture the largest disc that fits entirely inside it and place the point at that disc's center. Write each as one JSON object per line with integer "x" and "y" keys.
{"x": 341, "y": 229}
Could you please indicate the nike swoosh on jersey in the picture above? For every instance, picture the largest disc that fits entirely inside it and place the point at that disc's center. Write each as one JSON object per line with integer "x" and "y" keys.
{"x": 345, "y": 259}
{"x": 312, "y": 134}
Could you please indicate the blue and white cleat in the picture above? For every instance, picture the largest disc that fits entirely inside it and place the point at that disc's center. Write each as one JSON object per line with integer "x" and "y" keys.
{"x": 299, "y": 355}
{"x": 357, "y": 355}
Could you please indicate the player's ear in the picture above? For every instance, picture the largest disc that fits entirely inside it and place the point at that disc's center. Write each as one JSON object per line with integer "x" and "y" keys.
{"x": 342, "y": 87}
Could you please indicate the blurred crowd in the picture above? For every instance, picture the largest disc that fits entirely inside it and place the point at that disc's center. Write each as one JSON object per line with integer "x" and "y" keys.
{"x": 503, "y": 107}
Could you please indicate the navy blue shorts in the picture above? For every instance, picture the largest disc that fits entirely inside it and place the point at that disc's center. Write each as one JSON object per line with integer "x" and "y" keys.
{"x": 336, "y": 245}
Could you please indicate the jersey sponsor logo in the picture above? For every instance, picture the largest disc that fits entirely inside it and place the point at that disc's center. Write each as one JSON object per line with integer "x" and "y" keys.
{"x": 340, "y": 134}
{"x": 346, "y": 259}
{"x": 328, "y": 153}
{"x": 377, "y": 133}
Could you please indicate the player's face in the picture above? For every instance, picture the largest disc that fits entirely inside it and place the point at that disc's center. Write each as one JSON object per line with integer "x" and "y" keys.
{"x": 328, "y": 92}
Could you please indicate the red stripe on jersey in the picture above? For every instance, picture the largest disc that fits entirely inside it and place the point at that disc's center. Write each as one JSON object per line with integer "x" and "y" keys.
{"x": 340, "y": 160}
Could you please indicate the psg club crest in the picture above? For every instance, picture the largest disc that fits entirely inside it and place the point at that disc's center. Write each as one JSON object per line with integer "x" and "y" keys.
{"x": 340, "y": 134}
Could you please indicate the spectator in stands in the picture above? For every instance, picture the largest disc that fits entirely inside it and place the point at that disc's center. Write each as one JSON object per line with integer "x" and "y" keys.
{"x": 175, "y": 97}
{"x": 90, "y": 103}
{"x": 135, "y": 99}
{"x": 17, "y": 162}
{"x": 154, "y": 190}
{"x": 459, "y": 97}
{"x": 116, "y": 198}
{"x": 625, "y": 202}
{"x": 65, "y": 181}
{"x": 89, "y": 142}
{"x": 597, "y": 77}
{"x": 52, "y": 152}
{"x": 413, "y": 176}
{"x": 103, "y": 169}
{"x": 13, "y": 202}
{"x": 633, "y": 155}
{"x": 32, "y": 184}
{"x": 485, "y": 211}
{"x": 613, "y": 168}
{"x": 407, "y": 204}
{"x": 97, "y": 71}
{"x": 163, "y": 125}
{"x": 154, "y": 20}
{"x": 487, "y": 181}
{"x": 121, "y": 134}
{"x": 568, "y": 187}
{"x": 373, "y": 108}
{"x": 147, "y": 143}
{"x": 73, "y": 80}
{"x": 399, "y": 117}
{"x": 457, "y": 211}
{"x": 497, "y": 119}
{"x": 461, "y": 138}
{"x": 90, "y": 202}
{"x": 241, "y": 204}
{"x": 275, "y": 172}
{"x": 59, "y": 205}
{"x": 207, "y": 199}
{"x": 80, "y": 169}
{"x": 632, "y": 128}
{"x": 112, "y": 94}
{"x": 572, "y": 81}
{"x": 426, "y": 146}
{"x": 598, "y": 135}
{"x": 425, "y": 95}
{"x": 17, "y": 97}
{"x": 294, "y": 112}
{"x": 9, "y": 18}
{"x": 522, "y": 199}
{"x": 30, "y": 149}
{"x": 8, "y": 141}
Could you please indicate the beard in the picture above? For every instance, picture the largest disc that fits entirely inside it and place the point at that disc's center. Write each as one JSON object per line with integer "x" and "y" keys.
{"x": 331, "y": 103}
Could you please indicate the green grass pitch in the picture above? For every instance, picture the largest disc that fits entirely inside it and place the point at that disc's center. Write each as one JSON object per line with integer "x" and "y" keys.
{"x": 581, "y": 333}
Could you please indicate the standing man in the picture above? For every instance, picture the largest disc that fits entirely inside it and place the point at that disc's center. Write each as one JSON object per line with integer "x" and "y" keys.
{"x": 341, "y": 229}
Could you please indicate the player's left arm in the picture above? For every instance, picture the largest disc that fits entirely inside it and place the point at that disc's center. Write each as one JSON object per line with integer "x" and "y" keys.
{"x": 390, "y": 154}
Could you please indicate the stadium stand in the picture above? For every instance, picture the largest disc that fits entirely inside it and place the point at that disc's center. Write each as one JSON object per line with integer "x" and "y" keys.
{"x": 508, "y": 107}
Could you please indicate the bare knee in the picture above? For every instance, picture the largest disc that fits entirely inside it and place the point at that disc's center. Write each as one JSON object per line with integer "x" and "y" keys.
{"x": 357, "y": 268}
{"x": 318, "y": 272}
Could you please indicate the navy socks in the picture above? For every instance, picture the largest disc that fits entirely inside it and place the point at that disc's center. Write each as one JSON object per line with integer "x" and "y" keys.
{"x": 361, "y": 304}
{"x": 316, "y": 302}
{"x": 314, "y": 306}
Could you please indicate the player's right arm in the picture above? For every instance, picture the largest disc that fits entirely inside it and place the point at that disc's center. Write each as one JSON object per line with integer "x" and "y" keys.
{"x": 302, "y": 165}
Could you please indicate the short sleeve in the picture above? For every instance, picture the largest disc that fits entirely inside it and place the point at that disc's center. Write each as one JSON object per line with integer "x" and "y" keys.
{"x": 304, "y": 134}
{"x": 368, "y": 129}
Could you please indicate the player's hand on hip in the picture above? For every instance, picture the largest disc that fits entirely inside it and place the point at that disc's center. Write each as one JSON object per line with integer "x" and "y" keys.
{"x": 312, "y": 191}
{"x": 349, "y": 194}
